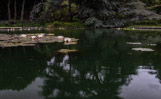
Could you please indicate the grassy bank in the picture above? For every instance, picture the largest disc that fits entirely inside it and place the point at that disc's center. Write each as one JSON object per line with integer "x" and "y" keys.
{"x": 146, "y": 24}
{"x": 143, "y": 25}
{"x": 20, "y": 24}
{"x": 55, "y": 24}
{"x": 58, "y": 24}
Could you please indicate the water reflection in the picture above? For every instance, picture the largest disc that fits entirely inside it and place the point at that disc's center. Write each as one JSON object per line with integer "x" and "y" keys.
{"x": 105, "y": 64}
{"x": 144, "y": 85}
{"x": 30, "y": 92}
{"x": 20, "y": 72}
{"x": 104, "y": 67}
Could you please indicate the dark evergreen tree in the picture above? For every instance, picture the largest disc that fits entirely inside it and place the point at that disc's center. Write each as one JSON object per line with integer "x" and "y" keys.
{"x": 116, "y": 13}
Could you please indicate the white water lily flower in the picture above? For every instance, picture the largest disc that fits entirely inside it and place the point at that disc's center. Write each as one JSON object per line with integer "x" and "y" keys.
{"x": 41, "y": 35}
{"x": 33, "y": 37}
{"x": 60, "y": 37}
{"x": 67, "y": 40}
{"x": 23, "y": 35}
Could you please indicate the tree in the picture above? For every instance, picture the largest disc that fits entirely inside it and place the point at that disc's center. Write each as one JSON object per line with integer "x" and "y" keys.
{"x": 95, "y": 13}
{"x": 106, "y": 13}
{"x": 15, "y": 8}
{"x": 22, "y": 11}
{"x": 69, "y": 10}
{"x": 9, "y": 10}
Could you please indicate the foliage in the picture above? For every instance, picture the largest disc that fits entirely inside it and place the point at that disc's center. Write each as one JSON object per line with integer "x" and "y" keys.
{"x": 93, "y": 13}
{"x": 117, "y": 14}
{"x": 20, "y": 24}
{"x": 67, "y": 24}
{"x": 37, "y": 11}
{"x": 147, "y": 22}
{"x": 151, "y": 2}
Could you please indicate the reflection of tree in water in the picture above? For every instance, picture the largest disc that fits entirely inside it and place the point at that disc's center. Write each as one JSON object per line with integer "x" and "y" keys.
{"x": 105, "y": 63}
{"x": 65, "y": 79}
{"x": 93, "y": 74}
{"x": 19, "y": 67}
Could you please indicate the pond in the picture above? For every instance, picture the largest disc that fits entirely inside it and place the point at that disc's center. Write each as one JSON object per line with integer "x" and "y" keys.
{"x": 108, "y": 64}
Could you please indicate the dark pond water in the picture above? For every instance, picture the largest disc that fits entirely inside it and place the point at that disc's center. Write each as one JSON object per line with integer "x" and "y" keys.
{"x": 105, "y": 67}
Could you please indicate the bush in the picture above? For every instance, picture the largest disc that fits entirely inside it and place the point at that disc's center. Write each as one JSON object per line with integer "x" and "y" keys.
{"x": 147, "y": 22}
{"x": 67, "y": 24}
{"x": 57, "y": 24}
{"x": 20, "y": 24}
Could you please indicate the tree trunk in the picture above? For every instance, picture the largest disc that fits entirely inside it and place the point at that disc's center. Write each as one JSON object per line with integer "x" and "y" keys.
{"x": 35, "y": 2}
{"x": 15, "y": 8}
{"x": 22, "y": 11}
{"x": 60, "y": 14}
{"x": 69, "y": 10}
{"x": 9, "y": 10}
{"x": 32, "y": 10}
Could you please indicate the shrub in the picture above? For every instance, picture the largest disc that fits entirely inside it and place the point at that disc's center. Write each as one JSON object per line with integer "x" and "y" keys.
{"x": 147, "y": 22}
{"x": 57, "y": 24}
{"x": 67, "y": 24}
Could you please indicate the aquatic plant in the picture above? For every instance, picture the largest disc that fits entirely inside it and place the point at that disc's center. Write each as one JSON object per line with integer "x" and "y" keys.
{"x": 7, "y": 40}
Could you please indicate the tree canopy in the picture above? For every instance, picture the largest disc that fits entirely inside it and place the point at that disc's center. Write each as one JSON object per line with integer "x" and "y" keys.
{"x": 95, "y": 13}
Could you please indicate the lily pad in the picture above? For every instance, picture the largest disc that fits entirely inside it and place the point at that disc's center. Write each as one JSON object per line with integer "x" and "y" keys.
{"x": 66, "y": 51}
{"x": 152, "y": 44}
{"x": 14, "y": 40}
{"x": 143, "y": 49}
{"x": 70, "y": 43}
{"x": 134, "y": 43}
{"x": 50, "y": 34}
